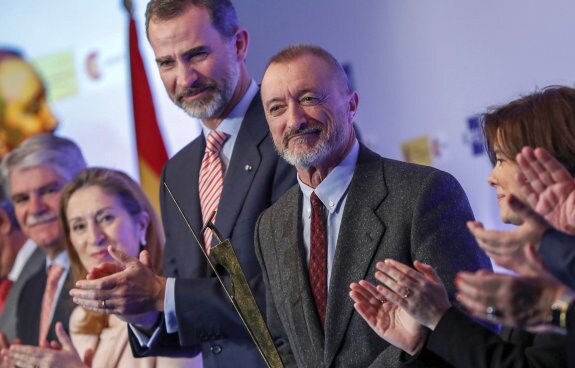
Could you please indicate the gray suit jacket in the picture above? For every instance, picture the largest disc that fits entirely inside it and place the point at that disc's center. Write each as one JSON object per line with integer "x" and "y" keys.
{"x": 393, "y": 210}
{"x": 8, "y": 317}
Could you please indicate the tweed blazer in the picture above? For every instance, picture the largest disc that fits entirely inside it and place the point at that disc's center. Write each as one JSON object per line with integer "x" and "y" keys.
{"x": 393, "y": 210}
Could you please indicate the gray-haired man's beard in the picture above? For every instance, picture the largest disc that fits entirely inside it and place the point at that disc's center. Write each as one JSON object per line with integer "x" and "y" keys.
{"x": 217, "y": 98}
{"x": 317, "y": 154}
{"x": 206, "y": 107}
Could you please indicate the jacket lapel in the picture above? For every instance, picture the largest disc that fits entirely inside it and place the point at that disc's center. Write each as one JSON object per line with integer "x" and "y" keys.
{"x": 30, "y": 306}
{"x": 359, "y": 237}
{"x": 290, "y": 247}
{"x": 63, "y": 309}
{"x": 243, "y": 166}
{"x": 188, "y": 199}
{"x": 181, "y": 182}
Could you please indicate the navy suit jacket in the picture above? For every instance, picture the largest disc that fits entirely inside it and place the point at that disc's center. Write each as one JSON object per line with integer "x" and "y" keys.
{"x": 558, "y": 252}
{"x": 255, "y": 178}
{"x": 571, "y": 335}
{"x": 30, "y": 307}
{"x": 464, "y": 343}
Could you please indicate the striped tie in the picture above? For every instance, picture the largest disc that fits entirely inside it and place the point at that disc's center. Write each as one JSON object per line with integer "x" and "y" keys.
{"x": 211, "y": 180}
{"x": 54, "y": 274}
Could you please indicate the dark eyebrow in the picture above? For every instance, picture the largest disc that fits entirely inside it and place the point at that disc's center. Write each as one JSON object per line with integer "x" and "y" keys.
{"x": 51, "y": 185}
{"x": 18, "y": 196}
{"x": 191, "y": 52}
{"x": 163, "y": 58}
{"x": 298, "y": 94}
{"x": 195, "y": 50}
{"x": 273, "y": 100}
{"x": 104, "y": 209}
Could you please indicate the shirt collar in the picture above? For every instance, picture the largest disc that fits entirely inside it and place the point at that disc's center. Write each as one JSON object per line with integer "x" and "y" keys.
{"x": 61, "y": 260}
{"x": 332, "y": 189}
{"x": 22, "y": 258}
{"x": 231, "y": 123}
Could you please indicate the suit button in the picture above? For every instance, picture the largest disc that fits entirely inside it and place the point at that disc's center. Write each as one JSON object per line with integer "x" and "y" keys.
{"x": 216, "y": 349}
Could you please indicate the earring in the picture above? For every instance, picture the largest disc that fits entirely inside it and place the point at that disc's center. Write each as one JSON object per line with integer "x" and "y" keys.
{"x": 143, "y": 242}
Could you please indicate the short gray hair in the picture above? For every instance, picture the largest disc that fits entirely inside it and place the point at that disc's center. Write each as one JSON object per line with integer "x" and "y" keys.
{"x": 57, "y": 153}
{"x": 292, "y": 52}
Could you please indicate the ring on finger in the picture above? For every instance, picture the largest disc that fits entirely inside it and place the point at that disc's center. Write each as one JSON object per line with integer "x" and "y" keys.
{"x": 406, "y": 293}
{"x": 492, "y": 313}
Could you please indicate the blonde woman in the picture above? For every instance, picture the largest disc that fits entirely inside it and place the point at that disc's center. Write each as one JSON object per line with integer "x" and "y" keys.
{"x": 101, "y": 208}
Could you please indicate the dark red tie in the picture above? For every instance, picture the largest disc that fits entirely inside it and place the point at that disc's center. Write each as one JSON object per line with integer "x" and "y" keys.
{"x": 5, "y": 286}
{"x": 318, "y": 256}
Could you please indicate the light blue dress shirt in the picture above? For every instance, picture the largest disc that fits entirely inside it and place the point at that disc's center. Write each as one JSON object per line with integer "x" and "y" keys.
{"x": 332, "y": 192}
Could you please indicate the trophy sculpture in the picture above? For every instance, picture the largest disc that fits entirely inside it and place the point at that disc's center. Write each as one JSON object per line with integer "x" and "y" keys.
{"x": 239, "y": 292}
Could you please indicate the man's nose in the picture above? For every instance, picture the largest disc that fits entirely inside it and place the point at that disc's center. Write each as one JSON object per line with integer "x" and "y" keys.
{"x": 187, "y": 75}
{"x": 37, "y": 205}
{"x": 296, "y": 116}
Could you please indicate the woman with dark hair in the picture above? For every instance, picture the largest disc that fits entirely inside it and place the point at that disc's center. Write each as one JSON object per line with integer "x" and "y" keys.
{"x": 543, "y": 119}
{"x": 101, "y": 208}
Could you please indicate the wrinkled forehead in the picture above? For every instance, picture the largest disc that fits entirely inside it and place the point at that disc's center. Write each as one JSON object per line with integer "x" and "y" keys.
{"x": 305, "y": 72}
{"x": 33, "y": 178}
{"x": 193, "y": 28}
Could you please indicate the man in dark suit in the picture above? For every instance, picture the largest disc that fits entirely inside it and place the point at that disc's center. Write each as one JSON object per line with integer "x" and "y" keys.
{"x": 26, "y": 262}
{"x": 369, "y": 209}
{"x": 200, "y": 52}
{"x": 35, "y": 173}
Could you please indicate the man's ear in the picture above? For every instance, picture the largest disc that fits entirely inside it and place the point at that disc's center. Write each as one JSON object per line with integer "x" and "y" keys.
{"x": 5, "y": 224}
{"x": 241, "y": 40}
{"x": 352, "y": 104}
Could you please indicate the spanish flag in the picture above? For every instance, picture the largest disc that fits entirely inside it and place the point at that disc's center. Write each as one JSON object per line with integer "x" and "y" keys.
{"x": 150, "y": 144}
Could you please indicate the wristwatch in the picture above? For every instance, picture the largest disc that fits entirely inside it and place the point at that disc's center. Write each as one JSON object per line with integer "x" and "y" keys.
{"x": 559, "y": 311}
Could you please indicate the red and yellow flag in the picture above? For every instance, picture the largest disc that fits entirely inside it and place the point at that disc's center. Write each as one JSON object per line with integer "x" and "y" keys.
{"x": 150, "y": 144}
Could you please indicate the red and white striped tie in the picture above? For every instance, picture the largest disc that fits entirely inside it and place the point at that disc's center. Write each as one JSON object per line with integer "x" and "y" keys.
{"x": 211, "y": 180}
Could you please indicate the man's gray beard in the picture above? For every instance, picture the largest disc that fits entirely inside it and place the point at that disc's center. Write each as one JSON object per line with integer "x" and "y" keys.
{"x": 306, "y": 159}
{"x": 208, "y": 108}
{"x": 215, "y": 103}
{"x": 315, "y": 156}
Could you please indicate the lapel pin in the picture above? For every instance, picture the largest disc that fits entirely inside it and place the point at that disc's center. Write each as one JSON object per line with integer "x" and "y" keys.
{"x": 248, "y": 167}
